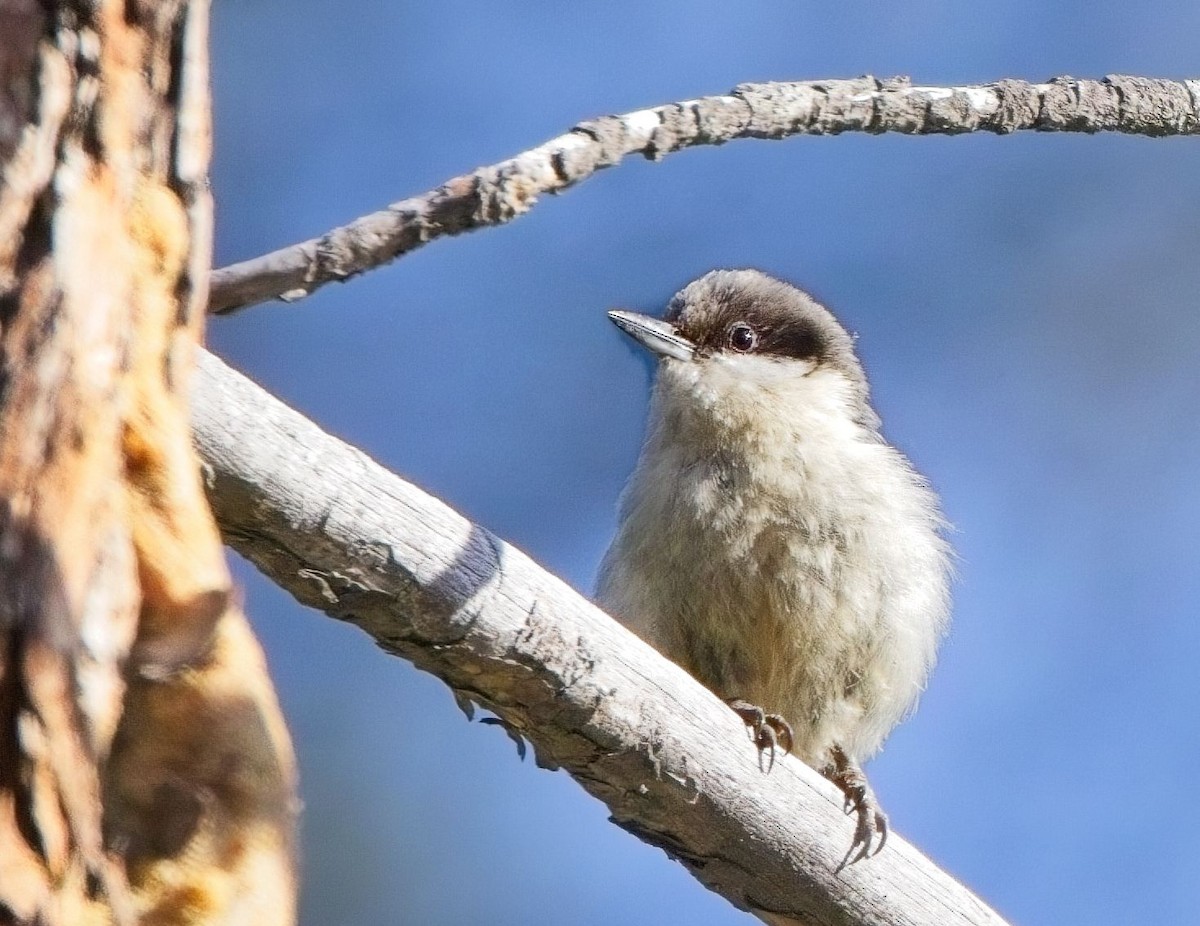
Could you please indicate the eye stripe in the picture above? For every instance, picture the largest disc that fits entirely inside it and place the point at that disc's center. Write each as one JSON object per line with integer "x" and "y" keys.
{"x": 796, "y": 340}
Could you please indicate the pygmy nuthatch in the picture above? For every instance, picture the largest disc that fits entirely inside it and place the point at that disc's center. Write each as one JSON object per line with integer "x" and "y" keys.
{"x": 771, "y": 542}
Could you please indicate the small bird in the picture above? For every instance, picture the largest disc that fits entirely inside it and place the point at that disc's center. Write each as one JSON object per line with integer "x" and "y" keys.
{"x": 770, "y": 541}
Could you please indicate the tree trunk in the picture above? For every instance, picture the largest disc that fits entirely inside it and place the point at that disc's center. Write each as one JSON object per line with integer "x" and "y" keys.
{"x": 145, "y": 773}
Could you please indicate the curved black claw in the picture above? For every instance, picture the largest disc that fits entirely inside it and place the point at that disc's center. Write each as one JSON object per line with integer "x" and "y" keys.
{"x": 860, "y": 800}
{"x": 767, "y": 731}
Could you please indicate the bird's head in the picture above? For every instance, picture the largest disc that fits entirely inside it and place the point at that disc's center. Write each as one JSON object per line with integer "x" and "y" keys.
{"x": 738, "y": 348}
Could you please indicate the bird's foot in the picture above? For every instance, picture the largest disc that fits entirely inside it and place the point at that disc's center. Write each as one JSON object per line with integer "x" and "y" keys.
{"x": 768, "y": 731}
{"x": 848, "y": 775}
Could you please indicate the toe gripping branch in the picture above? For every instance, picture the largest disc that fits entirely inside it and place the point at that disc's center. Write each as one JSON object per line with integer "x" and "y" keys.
{"x": 768, "y": 731}
{"x": 848, "y": 775}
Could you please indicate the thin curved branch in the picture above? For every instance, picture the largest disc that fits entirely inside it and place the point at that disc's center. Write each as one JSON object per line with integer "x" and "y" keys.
{"x": 672, "y": 763}
{"x": 497, "y": 194}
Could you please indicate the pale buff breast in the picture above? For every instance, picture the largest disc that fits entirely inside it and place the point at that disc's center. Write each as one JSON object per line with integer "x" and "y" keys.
{"x": 803, "y": 572}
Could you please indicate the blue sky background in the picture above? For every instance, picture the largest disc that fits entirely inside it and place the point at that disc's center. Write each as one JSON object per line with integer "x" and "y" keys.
{"x": 1027, "y": 311}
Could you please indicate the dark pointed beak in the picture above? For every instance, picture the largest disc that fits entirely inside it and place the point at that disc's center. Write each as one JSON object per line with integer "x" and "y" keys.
{"x": 654, "y": 334}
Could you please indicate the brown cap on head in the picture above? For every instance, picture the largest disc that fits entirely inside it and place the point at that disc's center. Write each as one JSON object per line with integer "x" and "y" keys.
{"x": 747, "y": 311}
{"x": 729, "y": 312}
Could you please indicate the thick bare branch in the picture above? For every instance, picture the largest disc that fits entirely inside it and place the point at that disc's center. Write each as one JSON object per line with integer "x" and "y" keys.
{"x": 668, "y": 758}
{"x": 499, "y": 193}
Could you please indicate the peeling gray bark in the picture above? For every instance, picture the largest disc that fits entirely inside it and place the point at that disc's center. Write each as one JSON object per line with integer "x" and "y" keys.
{"x": 497, "y": 194}
{"x": 673, "y": 763}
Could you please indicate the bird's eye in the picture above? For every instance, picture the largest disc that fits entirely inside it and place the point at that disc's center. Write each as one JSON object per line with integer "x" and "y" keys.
{"x": 742, "y": 337}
